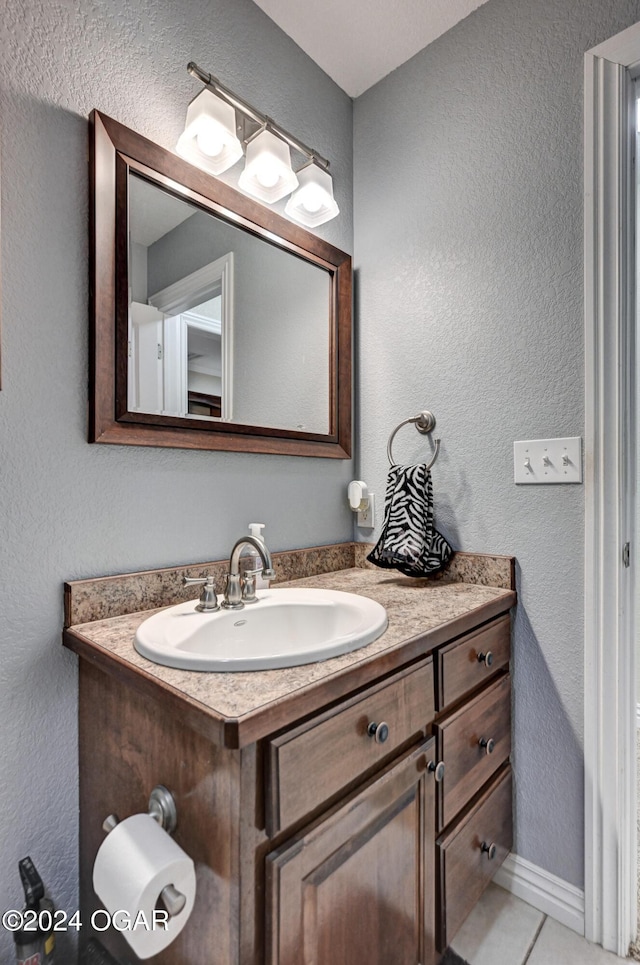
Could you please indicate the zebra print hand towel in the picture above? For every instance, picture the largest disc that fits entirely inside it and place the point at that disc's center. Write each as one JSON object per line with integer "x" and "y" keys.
{"x": 409, "y": 541}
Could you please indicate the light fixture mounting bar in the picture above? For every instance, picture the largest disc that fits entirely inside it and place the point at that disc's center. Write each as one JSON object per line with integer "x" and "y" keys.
{"x": 262, "y": 119}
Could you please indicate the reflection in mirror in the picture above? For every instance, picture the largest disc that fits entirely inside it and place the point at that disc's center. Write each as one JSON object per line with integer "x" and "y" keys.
{"x": 221, "y": 325}
{"x": 204, "y": 361}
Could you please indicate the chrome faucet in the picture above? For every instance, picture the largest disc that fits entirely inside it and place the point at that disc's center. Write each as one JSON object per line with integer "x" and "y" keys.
{"x": 236, "y": 594}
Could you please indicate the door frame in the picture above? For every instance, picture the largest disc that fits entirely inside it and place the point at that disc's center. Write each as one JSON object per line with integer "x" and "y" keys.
{"x": 609, "y": 667}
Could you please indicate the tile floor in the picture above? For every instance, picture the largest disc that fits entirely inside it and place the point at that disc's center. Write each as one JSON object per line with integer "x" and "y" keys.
{"x": 503, "y": 930}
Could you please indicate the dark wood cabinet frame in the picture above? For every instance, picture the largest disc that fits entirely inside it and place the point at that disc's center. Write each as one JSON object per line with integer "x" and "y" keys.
{"x": 114, "y": 151}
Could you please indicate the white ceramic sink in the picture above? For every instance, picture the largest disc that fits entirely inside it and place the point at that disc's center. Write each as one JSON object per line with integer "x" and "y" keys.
{"x": 285, "y": 628}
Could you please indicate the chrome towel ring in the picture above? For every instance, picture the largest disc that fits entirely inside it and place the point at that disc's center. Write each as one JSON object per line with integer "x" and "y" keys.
{"x": 424, "y": 422}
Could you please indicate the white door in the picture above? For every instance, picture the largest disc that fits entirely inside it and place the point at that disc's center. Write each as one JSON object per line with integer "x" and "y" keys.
{"x": 145, "y": 376}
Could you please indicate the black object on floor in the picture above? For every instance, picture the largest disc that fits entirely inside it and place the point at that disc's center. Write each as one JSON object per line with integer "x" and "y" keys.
{"x": 452, "y": 958}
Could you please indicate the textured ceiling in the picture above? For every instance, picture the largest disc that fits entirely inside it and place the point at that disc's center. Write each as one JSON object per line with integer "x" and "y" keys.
{"x": 358, "y": 42}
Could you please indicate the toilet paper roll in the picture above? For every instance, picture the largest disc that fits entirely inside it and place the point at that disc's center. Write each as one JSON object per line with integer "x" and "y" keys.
{"x": 133, "y": 865}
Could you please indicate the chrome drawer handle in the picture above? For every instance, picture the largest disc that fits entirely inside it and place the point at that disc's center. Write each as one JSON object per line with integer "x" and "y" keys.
{"x": 437, "y": 770}
{"x": 486, "y": 658}
{"x": 379, "y": 732}
{"x": 488, "y": 745}
{"x": 490, "y": 850}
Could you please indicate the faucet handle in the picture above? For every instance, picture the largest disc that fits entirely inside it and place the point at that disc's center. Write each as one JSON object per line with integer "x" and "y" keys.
{"x": 208, "y": 597}
{"x": 248, "y": 583}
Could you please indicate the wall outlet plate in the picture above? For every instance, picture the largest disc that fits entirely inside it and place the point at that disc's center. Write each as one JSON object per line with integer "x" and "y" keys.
{"x": 366, "y": 517}
{"x": 544, "y": 461}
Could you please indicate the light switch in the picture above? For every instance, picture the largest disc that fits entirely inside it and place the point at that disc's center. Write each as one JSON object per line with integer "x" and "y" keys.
{"x": 545, "y": 461}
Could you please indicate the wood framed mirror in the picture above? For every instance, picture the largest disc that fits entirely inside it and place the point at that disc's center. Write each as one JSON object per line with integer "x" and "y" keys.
{"x": 215, "y": 322}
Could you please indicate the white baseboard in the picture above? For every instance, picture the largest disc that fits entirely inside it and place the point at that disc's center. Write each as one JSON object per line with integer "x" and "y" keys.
{"x": 550, "y": 895}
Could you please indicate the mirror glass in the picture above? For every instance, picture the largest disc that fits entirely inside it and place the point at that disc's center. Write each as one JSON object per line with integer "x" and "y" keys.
{"x": 215, "y": 322}
{"x": 222, "y": 325}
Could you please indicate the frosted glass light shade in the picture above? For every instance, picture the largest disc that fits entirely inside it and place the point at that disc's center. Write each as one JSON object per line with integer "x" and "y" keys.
{"x": 267, "y": 173}
{"x": 209, "y": 139}
{"x": 312, "y": 204}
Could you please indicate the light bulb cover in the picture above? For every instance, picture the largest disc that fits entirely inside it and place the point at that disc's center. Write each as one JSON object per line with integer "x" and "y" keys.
{"x": 267, "y": 173}
{"x": 208, "y": 115}
{"x": 313, "y": 203}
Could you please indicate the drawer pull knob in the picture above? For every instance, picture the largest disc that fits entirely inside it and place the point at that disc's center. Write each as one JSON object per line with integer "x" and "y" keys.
{"x": 379, "y": 732}
{"x": 486, "y": 658}
{"x": 437, "y": 770}
{"x": 490, "y": 849}
{"x": 488, "y": 745}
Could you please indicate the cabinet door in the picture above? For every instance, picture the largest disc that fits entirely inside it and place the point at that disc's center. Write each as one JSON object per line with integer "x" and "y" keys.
{"x": 357, "y": 887}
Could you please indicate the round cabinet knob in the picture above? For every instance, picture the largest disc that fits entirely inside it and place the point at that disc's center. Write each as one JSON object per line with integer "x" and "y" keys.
{"x": 488, "y": 745}
{"x": 486, "y": 658}
{"x": 437, "y": 770}
{"x": 489, "y": 849}
{"x": 173, "y": 900}
{"x": 379, "y": 732}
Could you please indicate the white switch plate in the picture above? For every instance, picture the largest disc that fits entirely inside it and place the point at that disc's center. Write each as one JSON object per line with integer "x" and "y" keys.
{"x": 546, "y": 461}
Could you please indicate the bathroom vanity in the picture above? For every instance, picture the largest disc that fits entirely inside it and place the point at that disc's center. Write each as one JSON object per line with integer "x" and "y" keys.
{"x": 348, "y": 812}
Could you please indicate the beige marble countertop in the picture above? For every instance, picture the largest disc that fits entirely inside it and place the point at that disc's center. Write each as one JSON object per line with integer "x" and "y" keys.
{"x": 239, "y": 708}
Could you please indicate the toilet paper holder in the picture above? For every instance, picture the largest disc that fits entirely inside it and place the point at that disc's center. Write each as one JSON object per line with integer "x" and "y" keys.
{"x": 162, "y": 808}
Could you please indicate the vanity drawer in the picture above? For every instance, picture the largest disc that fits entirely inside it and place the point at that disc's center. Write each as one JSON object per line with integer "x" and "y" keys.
{"x": 473, "y": 742}
{"x": 309, "y": 764}
{"x": 468, "y": 856}
{"x": 469, "y": 662}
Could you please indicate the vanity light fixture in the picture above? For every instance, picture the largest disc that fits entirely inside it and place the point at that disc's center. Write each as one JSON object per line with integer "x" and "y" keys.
{"x": 313, "y": 202}
{"x": 268, "y": 174}
{"x": 210, "y": 140}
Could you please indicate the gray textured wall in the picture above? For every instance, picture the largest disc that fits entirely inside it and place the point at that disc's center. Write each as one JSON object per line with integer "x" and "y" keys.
{"x": 69, "y": 509}
{"x": 468, "y": 213}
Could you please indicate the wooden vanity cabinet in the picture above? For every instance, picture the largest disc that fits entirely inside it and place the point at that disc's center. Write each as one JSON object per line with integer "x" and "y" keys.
{"x": 329, "y": 841}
